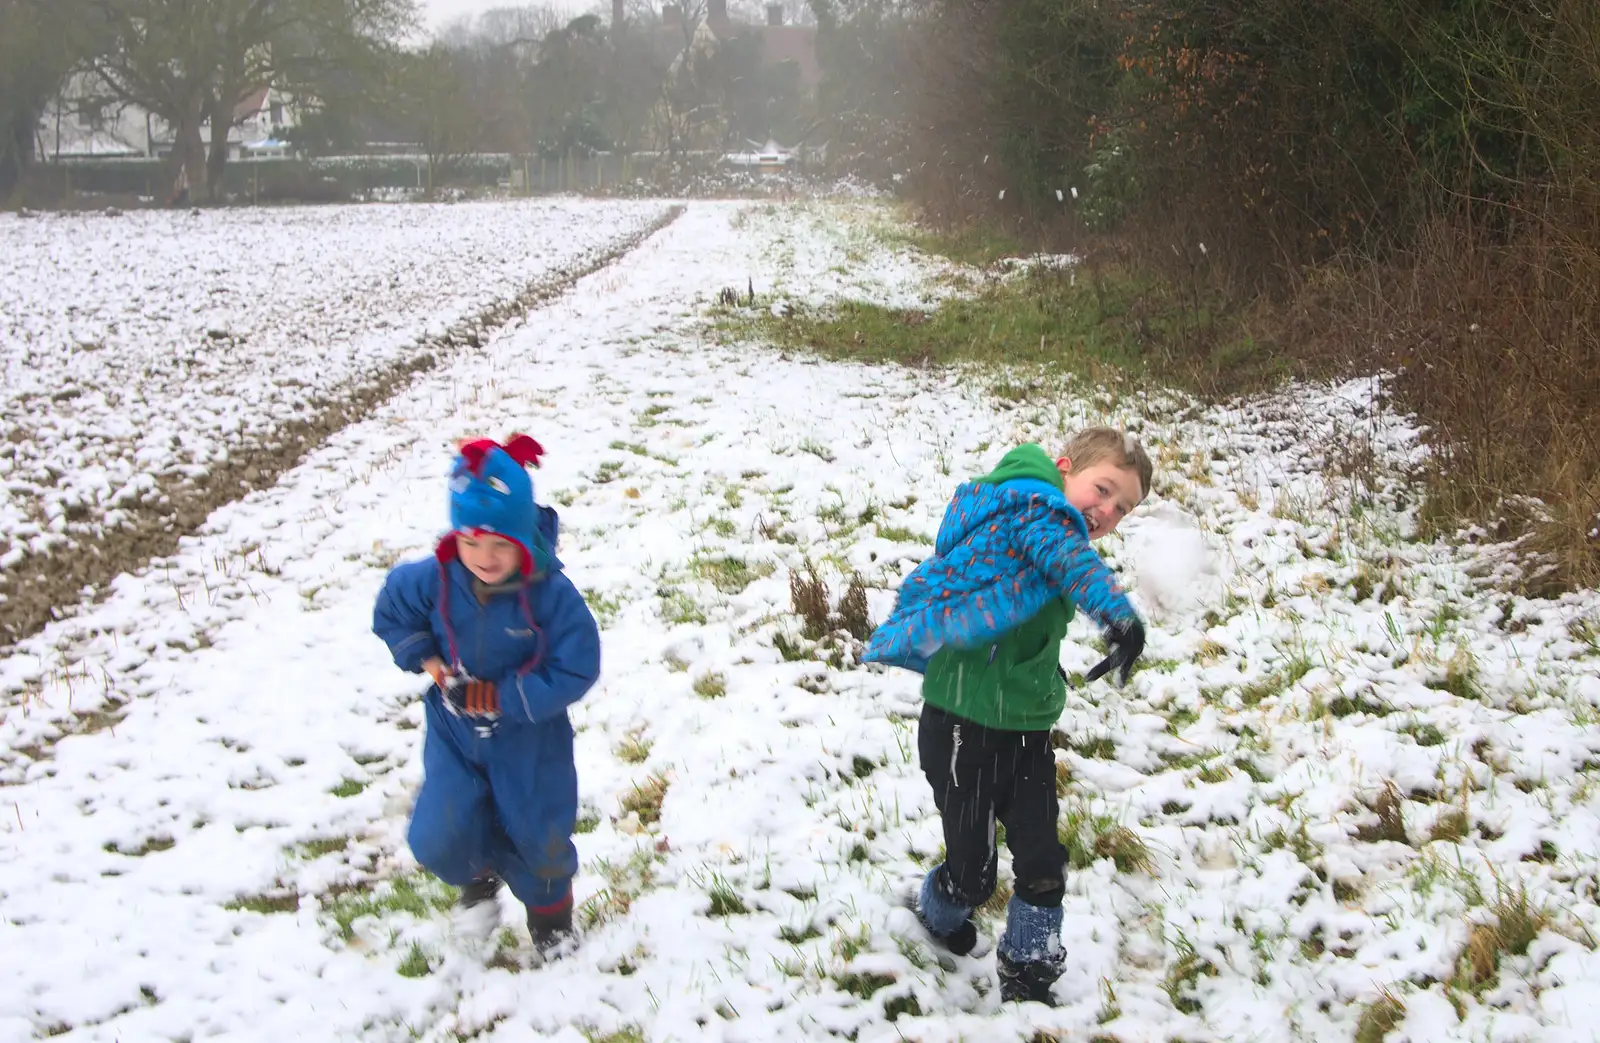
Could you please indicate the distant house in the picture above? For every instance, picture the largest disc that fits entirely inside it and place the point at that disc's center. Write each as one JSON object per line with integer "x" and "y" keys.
{"x": 86, "y": 122}
{"x": 780, "y": 43}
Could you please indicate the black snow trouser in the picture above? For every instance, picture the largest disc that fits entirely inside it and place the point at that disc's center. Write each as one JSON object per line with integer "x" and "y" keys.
{"x": 980, "y": 775}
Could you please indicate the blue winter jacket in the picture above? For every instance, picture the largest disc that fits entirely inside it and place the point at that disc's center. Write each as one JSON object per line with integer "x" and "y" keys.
{"x": 539, "y": 644}
{"x": 1003, "y": 552}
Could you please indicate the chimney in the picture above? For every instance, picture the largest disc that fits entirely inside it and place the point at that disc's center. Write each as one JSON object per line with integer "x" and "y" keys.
{"x": 671, "y": 16}
{"x": 618, "y": 16}
{"x": 717, "y": 16}
{"x": 774, "y": 14}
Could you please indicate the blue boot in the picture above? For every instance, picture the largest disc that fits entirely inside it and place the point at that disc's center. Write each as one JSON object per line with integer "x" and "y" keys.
{"x": 1030, "y": 956}
{"x": 950, "y": 924}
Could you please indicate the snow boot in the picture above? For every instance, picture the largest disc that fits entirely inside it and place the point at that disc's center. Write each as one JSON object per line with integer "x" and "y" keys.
{"x": 477, "y": 911}
{"x": 551, "y": 928}
{"x": 1030, "y": 957}
{"x": 1028, "y": 981}
{"x": 948, "y": 924}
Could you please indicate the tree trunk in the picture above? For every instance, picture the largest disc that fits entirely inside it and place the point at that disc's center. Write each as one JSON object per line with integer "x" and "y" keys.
{"x": 217, "y": 157}
{"x": 188, "y": 152}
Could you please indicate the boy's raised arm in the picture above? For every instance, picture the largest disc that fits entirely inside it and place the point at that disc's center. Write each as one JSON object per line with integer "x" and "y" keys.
{"x": 567, "y": 668}
{"x": 1063, "y": 553}
{"x": 401, "y": 616}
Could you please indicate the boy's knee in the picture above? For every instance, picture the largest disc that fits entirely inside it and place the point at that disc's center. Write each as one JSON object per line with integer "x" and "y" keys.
{"x": 1045, "y": 892}
{"x": 439, "y": 840}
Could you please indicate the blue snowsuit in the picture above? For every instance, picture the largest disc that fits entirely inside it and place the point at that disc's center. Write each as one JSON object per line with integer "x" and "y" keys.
{"x": 503, "y": 798}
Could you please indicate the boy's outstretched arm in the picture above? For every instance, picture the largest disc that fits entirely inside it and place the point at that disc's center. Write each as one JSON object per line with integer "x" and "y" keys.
{"x": 566, "y": 668}
{"x": 401, "y": 616}
{"x": 1063, "y": 553}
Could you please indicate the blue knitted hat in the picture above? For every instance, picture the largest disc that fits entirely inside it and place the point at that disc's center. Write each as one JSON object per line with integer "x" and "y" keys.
{"x": 491, "y": 492}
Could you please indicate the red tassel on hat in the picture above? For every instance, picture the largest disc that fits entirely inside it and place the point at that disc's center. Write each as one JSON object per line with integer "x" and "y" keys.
{"x": 521, "y": 448}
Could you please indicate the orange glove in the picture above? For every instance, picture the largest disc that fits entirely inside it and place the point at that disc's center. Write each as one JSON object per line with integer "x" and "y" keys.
{"x": 435, "y": 668}
{"x": 476, "y": 698}
{"x": 463, "y": 695}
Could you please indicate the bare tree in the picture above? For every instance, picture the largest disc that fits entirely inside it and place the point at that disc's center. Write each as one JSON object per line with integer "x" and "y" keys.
{"x": 189, "y": 61}
{"x": 433, "y": 100}
{"x": 36, "y": 54}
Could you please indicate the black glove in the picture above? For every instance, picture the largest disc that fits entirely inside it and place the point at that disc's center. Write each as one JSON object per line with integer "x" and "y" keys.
{"x": 1126, "y": 638}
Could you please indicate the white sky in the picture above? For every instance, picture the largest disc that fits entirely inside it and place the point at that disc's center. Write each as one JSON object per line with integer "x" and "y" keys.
{"x": 435, "y": 13}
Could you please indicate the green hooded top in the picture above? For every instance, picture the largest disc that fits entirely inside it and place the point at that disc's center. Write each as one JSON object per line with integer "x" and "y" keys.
{"x": 1014, "y": 683}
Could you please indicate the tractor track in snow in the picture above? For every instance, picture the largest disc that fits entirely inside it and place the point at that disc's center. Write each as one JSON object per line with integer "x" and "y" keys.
{"x": 46, "y": 587}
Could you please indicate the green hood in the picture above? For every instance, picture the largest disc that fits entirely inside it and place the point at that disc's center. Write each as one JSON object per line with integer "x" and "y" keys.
{"x": 1025, "y": 461}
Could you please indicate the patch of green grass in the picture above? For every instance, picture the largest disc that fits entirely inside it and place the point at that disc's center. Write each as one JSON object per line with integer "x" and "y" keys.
{"x": 1379, "y": 1018}
{"x": 1349, "y": 705}
{"x": 1102, "y": 748}
{"x": 604, "y": 606}
{"x": 1184, "y": 974}
{"x": 418, "y": 895}
{"x": 588, "y": 821}
{"x": 1460, "y": 677}
{"x": 730, "y": 575}
{"x": 608, "y": 472}
{"x": 148, "y": 846}
{"x": 1451, "y": 826}
{"x": 416, "y": 964}
{"x": 863, "y": 985}
{"x": 1275, "y": 684}
{"x": 725, "y": 901}
{"x": 630, "y": 447}
{"x": 645, "y": 799}
{"x": 799, "y": 936}
{"x": 1039, "y": 319}
{"x": 1425, "y": 733}
{"x": 899, "y": 534}
{"x": 626, "y": 1034}
{"x": 633, "y": 750}
{"x": 711, "y": 686}
{"x": 348, "y": 788}
{"x": 265, "y": 904}
{"x": 1298, "y": 842}
{"x": 1089, "y": 838}
{"x": 322, "y": 846}
{"x": 678, "y": 607}
{"x": 975, "y": 245}
{"x": 1179, "y": 718}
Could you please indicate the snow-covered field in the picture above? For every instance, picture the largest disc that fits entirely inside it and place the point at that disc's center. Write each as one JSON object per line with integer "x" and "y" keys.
{"x": 140, "y": 348}
{"x": 1349, "y": 769}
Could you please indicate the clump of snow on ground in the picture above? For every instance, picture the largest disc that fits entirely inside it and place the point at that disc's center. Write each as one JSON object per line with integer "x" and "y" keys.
{"x": 1344, "y": 754}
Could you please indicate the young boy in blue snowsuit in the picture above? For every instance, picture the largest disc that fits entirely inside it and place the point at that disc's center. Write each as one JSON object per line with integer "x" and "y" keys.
{"x": 509, "y": 645}
{"x": 983, "y": 620}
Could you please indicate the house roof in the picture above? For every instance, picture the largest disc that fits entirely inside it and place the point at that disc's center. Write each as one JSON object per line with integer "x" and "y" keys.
{"x": 796, "y": 43}
{"x": 251, "y": 104}
{"x": 779, "y": 43}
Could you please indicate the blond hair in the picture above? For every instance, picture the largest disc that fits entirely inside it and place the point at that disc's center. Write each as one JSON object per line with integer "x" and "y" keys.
{"x": 1095, "y": 445}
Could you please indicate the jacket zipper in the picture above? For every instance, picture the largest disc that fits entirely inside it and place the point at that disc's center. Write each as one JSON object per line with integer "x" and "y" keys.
{"x": 955, "y": 751}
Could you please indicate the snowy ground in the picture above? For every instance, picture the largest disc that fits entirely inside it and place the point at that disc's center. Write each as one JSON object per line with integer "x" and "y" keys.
{"x": 208, "y": 773}
{"x": 150, "y": 345}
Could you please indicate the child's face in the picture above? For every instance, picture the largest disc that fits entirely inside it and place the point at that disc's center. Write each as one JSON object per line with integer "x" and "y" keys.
{"x": 491, "y": 558}
{"x": 1103, "y": 493}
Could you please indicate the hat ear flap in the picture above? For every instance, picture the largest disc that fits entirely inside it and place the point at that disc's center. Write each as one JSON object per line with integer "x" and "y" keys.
{"x": 524, "y": 450}
{"x": 474, "y": 451}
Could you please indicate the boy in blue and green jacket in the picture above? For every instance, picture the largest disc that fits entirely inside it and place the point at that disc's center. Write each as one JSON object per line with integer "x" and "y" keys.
{"x": 983, "y": 620}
